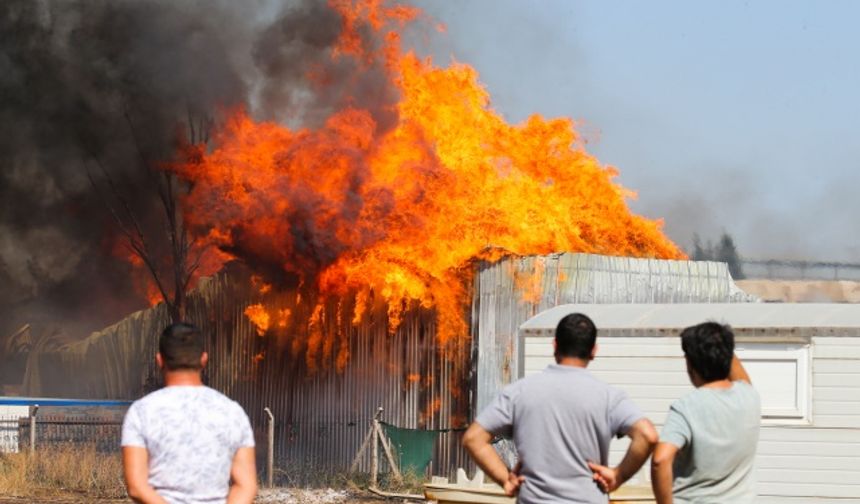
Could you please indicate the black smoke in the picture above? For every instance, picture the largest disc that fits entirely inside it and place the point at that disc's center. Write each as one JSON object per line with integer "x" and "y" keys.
{"x": 97, "y": 87}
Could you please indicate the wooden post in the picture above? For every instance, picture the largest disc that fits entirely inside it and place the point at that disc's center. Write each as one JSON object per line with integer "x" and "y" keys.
{"x": 270, "y": 449}
{"x": 374, "y": 449}
{"x": 388, "y": 453}
{"x": 374, "y": 456}
{"x": 364, "y": 445}
{"x": 33, "y": 410}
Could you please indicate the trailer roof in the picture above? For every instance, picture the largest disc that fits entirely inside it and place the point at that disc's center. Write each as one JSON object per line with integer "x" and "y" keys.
{"x": 673, "y": 317}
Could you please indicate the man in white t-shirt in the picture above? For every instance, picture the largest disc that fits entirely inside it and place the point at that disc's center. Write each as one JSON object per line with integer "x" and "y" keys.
{"x": 187, "y": 443}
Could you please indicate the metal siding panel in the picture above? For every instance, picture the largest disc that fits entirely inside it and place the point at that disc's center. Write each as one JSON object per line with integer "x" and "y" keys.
{"x": 322, "y": 417}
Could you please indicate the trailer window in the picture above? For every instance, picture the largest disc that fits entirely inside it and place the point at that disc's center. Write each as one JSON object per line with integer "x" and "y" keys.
{"x": 780, "y": 373}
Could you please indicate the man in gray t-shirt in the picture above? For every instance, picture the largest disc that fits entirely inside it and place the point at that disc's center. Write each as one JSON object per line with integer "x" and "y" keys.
{"x": 708, "y": 443}
{"x": 562, "y": 421}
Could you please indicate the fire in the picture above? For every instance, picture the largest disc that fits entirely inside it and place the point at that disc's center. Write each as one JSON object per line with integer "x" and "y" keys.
{"x": 141, "y": 279}
{"x": 430, "y": 410}
{"x": 153, "y": 295}
{"x": 261, "y": 285}
{"x": 259, "y": 317}
{"x": 209, "y": 260}
{"x": 530, "y": 286}
{"x": 401, "y": 212}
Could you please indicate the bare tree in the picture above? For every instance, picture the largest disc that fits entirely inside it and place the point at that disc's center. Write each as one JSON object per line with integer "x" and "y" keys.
{"x": 172, "y": 275}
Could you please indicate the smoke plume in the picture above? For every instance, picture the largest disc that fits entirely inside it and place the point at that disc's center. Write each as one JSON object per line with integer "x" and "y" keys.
{"x": 89, "y": 86}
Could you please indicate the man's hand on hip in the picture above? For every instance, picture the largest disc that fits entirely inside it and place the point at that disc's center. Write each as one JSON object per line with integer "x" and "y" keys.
{"x": 605, "y": 477}
{"x": 477, "y": 442}
{"x": 643, "y": 438}
{"x": 512, "y": 485}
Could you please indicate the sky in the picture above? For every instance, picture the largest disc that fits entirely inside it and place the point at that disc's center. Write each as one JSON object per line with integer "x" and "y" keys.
{"x": 735, "y": 116}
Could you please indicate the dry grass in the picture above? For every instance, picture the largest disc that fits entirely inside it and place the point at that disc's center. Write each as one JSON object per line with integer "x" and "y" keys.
{"x": 62, "y": 471}
{"x": 80, "y": 472}
{"x": 411, "y": 483}
{"x": 308, "y": 475}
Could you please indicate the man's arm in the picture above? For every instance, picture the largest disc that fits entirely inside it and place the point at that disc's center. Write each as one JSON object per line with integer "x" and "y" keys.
{"x": 135, "y": 463}
{"x": 477, "y": 442}
{"x": 661, "y": 472}
{"x": 737, "y": 371}
{"x": 643, "y": 438}
{"x": 243, "y": 475}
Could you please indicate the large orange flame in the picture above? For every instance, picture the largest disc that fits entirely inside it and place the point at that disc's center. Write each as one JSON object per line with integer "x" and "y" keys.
{"x": 403, "y": 212}
{"x": 259, "y": 316}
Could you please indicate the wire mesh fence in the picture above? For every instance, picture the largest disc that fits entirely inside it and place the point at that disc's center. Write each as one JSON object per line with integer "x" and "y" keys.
{"x": 103, "y": 433}
{"x": 779, "y": 269}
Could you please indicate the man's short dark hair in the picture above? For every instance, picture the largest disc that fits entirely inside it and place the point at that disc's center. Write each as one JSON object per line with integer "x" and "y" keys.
{"x": 709, "y": 348}
{"x": 181, "y": 346}
{"x": 575, "y": 336}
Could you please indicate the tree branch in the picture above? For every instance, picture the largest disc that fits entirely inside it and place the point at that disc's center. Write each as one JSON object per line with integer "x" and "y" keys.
{"x": 136, "y": 239}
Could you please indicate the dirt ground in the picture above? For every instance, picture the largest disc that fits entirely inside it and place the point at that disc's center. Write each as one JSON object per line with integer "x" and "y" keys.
{"x": 314, "y": 496}
{"x": 266, "y": 496}
{"x": 803, "y": 291}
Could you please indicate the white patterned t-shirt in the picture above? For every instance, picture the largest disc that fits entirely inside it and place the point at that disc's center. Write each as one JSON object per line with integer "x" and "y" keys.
{"x": 191, "y": 434}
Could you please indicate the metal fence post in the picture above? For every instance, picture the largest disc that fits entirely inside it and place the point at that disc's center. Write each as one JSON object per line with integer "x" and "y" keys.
{"x": 270, "y": 448}
{"x": 33, "y": 411}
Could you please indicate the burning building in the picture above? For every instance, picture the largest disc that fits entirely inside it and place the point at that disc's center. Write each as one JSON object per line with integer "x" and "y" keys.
{"x": 380, "y": 230}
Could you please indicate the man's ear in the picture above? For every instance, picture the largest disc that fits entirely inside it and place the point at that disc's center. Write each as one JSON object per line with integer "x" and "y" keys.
{"x": 204, "y": 359}
{"x": 159, "y": 360}
{"x": 593, "y": 352}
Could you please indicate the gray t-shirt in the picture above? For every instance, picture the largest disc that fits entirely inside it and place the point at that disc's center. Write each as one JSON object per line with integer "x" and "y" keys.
{"x": 717, "y": 433}
{"x": 560, "y": 419}
{"x": 191, "y": 434}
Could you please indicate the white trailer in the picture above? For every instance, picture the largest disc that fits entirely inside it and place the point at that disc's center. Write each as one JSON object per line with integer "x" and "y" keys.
{"x": 804, "y": 359}
{"x": 9, "y": 418}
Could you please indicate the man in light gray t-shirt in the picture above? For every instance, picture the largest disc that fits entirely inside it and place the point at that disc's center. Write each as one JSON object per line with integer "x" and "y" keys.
{"x": 187, "y": 443}
{"x": 707, "y": 446}
{"x": 562, "y": 421}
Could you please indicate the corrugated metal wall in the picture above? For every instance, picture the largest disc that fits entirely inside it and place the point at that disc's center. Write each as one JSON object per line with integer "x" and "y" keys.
{"x": 115, "y": 363}
{"x": 322, "y": 414}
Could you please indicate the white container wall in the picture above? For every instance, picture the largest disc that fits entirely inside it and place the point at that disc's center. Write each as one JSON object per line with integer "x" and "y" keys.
{"x": 804, "y": 361}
